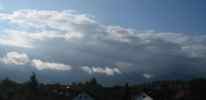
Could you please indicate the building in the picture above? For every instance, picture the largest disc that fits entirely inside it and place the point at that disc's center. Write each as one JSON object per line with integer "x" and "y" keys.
{"x": 83, "y": 96}
{"x": 141, "y": 96}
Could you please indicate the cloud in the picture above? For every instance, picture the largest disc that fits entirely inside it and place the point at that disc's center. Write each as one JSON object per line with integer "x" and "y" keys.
{"x": 147, "y": 76}
{"x": 82, "y": 39}
{"x": 41, "y": 65}
{"x": 17, "y": 39}
{"x": 123, "y": 64}
{"x": 15, "y": 58}
{"x": 99, "y": 70}
{"x": 120, "y": 34}
{"x": 188, "y": 44}
{"x": 47, "y": 18}
{"x": 87, "y": 69}
{"x": 30, "y": 26}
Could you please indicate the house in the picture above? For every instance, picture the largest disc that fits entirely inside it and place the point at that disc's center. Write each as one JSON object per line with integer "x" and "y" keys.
{"x": 141, "y": 96}
{"x": 64, "y": 91}
{"x": 83, "y": 96}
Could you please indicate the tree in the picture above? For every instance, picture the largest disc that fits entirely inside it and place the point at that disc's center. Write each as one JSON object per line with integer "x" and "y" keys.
{"x": 127, "y": 94}
{"x": 93, "y": 81}
{"x": 33, "y": 82}
{"x": 8, "y": 83}
{"x": 7, "y": 88}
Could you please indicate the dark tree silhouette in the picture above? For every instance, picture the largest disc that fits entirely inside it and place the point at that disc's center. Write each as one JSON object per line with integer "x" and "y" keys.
{"x": 93, "y": 81}
{"x": 33, "y": 82}
{"x": 127, "y": 92}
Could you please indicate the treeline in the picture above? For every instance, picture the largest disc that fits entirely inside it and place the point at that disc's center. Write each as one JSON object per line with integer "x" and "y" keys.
{"x": 158, "y": 90}
{"x": 29, "y": 90}
{"x": 177, "y": 89}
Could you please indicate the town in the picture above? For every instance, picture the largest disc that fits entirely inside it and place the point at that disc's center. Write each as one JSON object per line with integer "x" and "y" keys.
{"x": 92, "y": 90}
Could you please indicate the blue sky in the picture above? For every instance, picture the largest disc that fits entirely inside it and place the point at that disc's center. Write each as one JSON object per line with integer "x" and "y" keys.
{"x": 116, "y": 41}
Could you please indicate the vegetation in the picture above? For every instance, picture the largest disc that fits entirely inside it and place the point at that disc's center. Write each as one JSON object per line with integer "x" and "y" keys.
{"x": 159, "y": 90}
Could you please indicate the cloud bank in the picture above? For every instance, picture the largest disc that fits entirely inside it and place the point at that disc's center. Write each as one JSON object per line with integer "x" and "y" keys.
{"x": 81, "y": 40}
{"x": 17, "y": 58}
{"x": 29, "y": 26}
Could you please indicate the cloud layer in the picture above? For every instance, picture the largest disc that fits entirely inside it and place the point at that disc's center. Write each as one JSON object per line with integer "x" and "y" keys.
{"x": 78, "y": 39}
{"x": 33, "y": 25}
{"x": 17, "y": 58}
{"x": 29, "y": 26}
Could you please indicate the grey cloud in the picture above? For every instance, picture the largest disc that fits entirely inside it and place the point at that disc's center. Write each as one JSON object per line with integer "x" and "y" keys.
{"x": 71, "y": 25}
{"x": 78, "y": 39}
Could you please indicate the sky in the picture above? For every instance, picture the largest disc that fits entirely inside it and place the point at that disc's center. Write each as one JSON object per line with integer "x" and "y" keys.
{"x": 116, "y": 41}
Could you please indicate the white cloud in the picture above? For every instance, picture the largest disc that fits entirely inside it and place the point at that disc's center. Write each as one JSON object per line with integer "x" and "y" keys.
{"x": 147, "y": 76}
{"x": 31, "y": 26}
{"x": 99, "y": 70}
{"x": 46, "y": 18}
{"x": 17, "y": 39}
{"x": 15, "y": 58}
{"x": 42, "y": 65}
{"x": 87, "y": 69}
